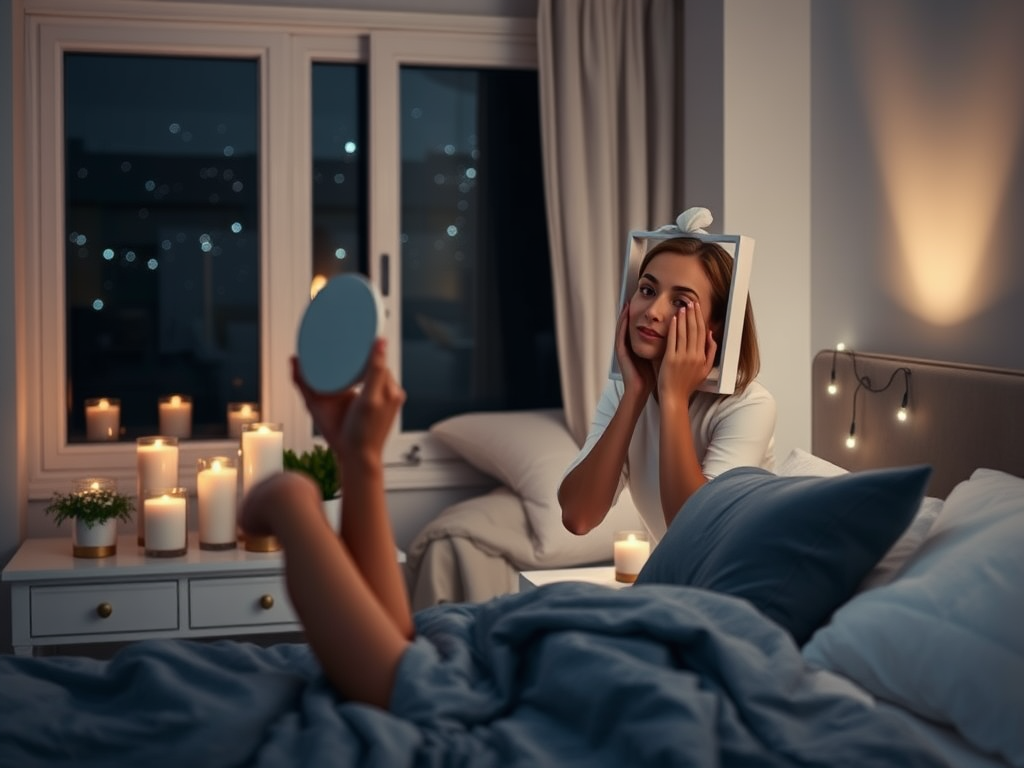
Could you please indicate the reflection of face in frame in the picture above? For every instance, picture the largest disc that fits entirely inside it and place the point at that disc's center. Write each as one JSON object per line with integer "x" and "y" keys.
{"x": 722, "y": 378}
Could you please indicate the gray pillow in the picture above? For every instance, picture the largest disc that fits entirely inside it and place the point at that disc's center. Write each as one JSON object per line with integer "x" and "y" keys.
{"x": 795, "y": 547}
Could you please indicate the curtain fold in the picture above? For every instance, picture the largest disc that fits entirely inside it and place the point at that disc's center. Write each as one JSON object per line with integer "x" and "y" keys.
{"x": 609, "y": 83}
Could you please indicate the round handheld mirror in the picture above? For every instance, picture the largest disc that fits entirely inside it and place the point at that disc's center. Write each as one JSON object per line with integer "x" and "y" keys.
{"x": 337, "y": 332}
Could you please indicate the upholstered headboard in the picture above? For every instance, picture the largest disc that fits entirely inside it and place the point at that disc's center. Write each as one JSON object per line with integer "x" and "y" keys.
{"x": 959, "y": 417}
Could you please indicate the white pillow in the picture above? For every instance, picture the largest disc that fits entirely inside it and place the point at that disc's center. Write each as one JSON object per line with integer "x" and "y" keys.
{"x": 801, "y": 463}
{"x": 900, "y": 552}
{"x": 945, "y": 639}
{"x": 528, "y": 451}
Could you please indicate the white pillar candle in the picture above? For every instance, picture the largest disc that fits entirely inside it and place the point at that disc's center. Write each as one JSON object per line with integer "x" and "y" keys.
{"x": 262, "y": 452}
{"x": 240, "y": 414}
{"x": 176, "y": 415}
{"x": 166, "y": 523}
{"x": 217, "y": 492}
{"x": 631, "y": 550}
{"x": 157, "y": 461}
{"x": 102, "y": 418}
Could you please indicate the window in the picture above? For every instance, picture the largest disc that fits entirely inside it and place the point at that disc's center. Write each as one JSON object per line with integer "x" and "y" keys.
{"x": 196, "y": 177}
{"x": 477, "y": 315}
{"x": 161, "y": 182}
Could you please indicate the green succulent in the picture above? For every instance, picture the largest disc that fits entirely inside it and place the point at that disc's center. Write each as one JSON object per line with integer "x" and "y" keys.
{"x": 92, "y": 507}
{"x": 320, "y": 465}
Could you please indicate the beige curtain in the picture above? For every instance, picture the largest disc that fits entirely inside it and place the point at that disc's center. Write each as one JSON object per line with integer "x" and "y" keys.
{"x": 610, "y": 89}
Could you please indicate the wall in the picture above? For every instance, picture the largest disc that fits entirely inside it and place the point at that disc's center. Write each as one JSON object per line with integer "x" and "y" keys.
{"x": 767, "y": 192}
{"x": 747, "y": 158}
{"x": 918, "y": 175}
{"x": 12, "y": 504}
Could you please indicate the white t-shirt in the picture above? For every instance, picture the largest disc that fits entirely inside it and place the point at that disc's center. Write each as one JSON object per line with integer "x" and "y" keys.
{"x": 728, "y": 431}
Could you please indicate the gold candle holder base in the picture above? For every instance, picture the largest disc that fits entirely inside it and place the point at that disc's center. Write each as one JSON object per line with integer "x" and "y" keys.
{"x": 262, "y": 544}
{"x": 94, "y": 552}
{"x": 625, "y": 578}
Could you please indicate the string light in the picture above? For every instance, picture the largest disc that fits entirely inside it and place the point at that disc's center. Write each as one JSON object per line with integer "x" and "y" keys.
{"x": 864, "y": 382}
{"x": 851, "y": 439}
{"x": 832, "y": 388}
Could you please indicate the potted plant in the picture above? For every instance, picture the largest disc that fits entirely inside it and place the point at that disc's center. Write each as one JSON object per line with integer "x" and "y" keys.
{"x": 95, "y": 506}
{"x": 320, "y": 465}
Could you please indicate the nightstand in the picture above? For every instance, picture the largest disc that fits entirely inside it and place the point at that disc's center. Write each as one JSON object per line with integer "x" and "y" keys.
{"x": 57, "y": 599}
{"x": 594, "y": 574}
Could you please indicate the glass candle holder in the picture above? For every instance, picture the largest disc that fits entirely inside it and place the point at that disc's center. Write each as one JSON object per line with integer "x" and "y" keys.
{"x": 99, "y": 539}
{"x": 166, "y": 521}
{"x": 631, "y": 550}
{"x": 240, "y": 414}
{"x": 102, "y": 418}
{"x": 217, "y": 498}
{"x": 175, "y": 416}
{"x": 157, "y": 461}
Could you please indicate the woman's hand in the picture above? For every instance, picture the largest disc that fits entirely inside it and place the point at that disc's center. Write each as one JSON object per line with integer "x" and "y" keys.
{"x": 637, "y": 374}
{"x": 689, "y": 355}
{"x": 357, "y": 419}
{"x": 328, "y": 409}
{"x": 370, "y": 415}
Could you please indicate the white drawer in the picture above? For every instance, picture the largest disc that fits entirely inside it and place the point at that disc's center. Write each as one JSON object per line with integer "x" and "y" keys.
{"x": 239, "y": 602}
{"x": 84, "y": 609}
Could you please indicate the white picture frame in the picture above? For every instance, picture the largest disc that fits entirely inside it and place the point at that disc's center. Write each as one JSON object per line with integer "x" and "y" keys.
{"x": 722, "y": 379}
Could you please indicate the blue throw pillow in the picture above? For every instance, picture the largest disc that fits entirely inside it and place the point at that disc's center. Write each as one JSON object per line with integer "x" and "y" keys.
{"x": 795, "y": 547}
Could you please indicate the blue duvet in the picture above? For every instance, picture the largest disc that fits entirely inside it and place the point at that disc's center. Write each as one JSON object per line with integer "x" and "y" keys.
{"x": 566, "y": 675}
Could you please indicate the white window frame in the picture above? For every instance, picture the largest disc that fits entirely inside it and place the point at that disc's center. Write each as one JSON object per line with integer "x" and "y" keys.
{"x": 285, "y": 41}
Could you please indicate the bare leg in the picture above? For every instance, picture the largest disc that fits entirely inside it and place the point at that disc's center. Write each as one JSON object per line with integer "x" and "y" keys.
{"x": 353, "y": 635}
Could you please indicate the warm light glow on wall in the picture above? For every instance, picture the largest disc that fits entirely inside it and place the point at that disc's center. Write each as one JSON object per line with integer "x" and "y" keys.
{"x": 946, "y": 124}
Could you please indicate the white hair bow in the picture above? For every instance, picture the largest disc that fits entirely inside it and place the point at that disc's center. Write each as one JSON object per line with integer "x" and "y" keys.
{"x": 690, "y": 220}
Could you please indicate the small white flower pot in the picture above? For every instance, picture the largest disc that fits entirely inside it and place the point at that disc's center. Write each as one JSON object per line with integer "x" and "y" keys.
{"x": 98, "y": 541}
{"x": 332, "y": 511}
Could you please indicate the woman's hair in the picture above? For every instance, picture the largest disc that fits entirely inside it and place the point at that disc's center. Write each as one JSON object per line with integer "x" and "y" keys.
{"x": 717, "y": 265}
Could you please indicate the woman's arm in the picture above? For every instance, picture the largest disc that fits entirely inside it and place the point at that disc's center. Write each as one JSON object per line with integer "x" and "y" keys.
{"x": 689, "y": 357}
{"x": 587, "y": 491}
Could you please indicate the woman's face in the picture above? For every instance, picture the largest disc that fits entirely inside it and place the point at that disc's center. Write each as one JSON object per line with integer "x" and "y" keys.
{"x": 668, "y": 282}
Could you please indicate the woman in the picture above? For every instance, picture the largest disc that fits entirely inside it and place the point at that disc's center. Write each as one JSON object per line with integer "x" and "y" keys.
{"x": 656, "y": 430}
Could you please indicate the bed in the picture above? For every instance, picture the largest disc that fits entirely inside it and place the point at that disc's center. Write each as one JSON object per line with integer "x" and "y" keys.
{"x": 893, "y": 639}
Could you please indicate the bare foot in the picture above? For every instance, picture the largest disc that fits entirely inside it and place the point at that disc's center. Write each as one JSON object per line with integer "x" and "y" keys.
{"x": 280, "y": 494}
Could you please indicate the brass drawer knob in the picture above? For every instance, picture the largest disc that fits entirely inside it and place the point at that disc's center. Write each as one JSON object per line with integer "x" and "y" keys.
{"x": 267, "y": 602}
{"x": 103, "y": 610}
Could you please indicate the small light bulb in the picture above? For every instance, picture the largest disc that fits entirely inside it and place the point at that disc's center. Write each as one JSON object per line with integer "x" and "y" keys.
{"x": 901, "y": 414}
{"x": 840, "y": 346}
{"x": 832, "y": 388}
{"x": 851, "y": 441}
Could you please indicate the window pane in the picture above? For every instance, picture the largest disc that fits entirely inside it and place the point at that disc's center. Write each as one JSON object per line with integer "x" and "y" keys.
{"x": 339, "y": 171}
{"x": 477, "y": 309}
{"x": 162, "y": 241}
